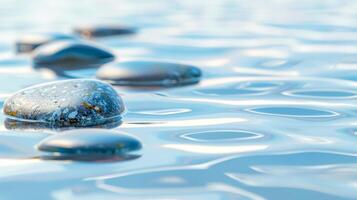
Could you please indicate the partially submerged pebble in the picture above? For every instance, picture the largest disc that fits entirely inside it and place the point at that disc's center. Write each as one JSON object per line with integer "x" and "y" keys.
{"x": 28, "y": 43}
{"x": 103, "y": 31}
{"x": 69, "y": 103}
{"x": 89, "y": 141}
{"x": 71, "y": 53}
{"x": 149, "y": 73}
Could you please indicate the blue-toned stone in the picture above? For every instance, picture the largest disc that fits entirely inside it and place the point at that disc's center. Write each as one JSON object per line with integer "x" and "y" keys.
{"x": 104, "y": 31}
{"x": 89, "y": 141}
{"x": 77, "y": 103}
{"x": 71, "y": 53}
{"x": 149, "y": 73}
{"x": 28, "y": 43}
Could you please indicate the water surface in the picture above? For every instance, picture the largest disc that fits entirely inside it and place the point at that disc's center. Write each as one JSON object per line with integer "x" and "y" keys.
{"x": 274, "y": 116}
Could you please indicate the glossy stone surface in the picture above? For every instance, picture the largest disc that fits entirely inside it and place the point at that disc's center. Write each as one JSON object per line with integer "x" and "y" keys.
{"x": 149, "y": 73}
{"x": 89, "y": 141}
{"x": 77, "y": 102}
{"x": 103, "y": 31}
{"x": 28, "y": 43}
{"x": 71, "y": 53}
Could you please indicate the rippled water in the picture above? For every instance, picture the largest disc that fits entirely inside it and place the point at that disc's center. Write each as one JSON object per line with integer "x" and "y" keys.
{"x": 273, "y": 118}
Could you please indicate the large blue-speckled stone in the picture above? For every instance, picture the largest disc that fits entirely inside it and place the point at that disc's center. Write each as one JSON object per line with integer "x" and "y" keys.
{"x": 104, "y": 31}
{"x": 149, "y": 73}
{"x": 28, "y": 43}
{"x": 71, "y": 53}
{"x": 77, "y": 102}
{"x": 90, "y": 141}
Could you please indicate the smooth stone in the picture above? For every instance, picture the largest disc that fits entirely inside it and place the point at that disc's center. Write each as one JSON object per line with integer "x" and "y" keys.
{"x": 71, "y": 53}
{"x": 103, "y": 31}
{"x": 149, "y": 73}
{"x": 30, "y": 42}
{"x": 89, "y": 141}
{"x": 74, "y": 103}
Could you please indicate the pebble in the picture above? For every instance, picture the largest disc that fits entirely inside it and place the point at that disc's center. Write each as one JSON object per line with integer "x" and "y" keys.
{"x": 71, "y": 53}
{"x": 89, "y": 141}
{"x": 30, "y": 42}
{"x": 68, "y": 103}
{"x": 104, "y": 31}
{"x": 149, "y": 73}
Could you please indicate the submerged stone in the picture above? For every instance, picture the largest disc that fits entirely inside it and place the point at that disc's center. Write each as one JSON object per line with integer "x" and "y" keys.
{"x": 71, "y": 53}
{"x": 104, "y": 31}
{"x": 149, "y": 73}
{"x": 89, "y": 141}
{"x": 30, "y": 42}
{"x": 69, "y": 103}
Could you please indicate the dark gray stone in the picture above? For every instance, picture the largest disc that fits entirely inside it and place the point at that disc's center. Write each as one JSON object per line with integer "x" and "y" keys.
{"x": 71, "y": 53}
{"x": 89, "y": 141}
{"x": 28, "y": 43}
{"x": 104, "y": 31}
{"x": 77, "y": 103}
{"x": 149, "y": 73}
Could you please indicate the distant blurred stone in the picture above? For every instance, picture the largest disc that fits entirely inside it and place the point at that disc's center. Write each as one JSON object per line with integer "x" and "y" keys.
{"x": 89, "y": 141}
{"x": 149, "y": 73}
{"x": 71, "y": 53}
{"x": 70, "y": 103}
{"x": 28, "y": 43}
{"x": 104, "y": 31}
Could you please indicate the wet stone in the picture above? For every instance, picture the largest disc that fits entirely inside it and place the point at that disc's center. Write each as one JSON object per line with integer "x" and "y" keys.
{"x": 104, "y": 31}
{"x": 71, "y": 53}
{"x": 89, "y": 141}
{"x": 69, "y": 103}
{"x": 149, "y": 73}
{"x": 30, "y": 42}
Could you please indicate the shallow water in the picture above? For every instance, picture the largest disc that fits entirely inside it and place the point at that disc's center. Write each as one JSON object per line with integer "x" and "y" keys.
{"x": 274, "y": 116}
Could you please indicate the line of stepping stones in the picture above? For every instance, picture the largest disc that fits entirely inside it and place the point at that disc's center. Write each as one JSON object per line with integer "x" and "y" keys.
{"x": 86, "y": 102}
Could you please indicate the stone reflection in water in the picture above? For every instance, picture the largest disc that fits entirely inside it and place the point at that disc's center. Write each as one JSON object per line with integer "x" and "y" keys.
{"x": 97, "y": 158}
{"x": 13, "y": 124}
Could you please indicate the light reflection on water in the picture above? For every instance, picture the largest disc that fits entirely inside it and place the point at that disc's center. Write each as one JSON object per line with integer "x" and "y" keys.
{"x": 273, "y": 117}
